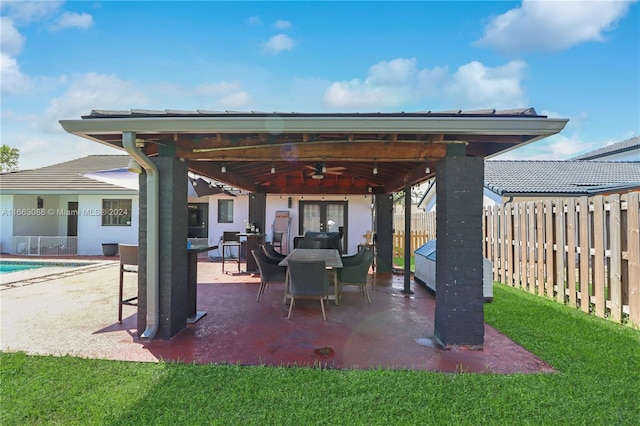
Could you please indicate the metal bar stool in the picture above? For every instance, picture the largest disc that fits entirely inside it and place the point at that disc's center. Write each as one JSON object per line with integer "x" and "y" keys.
{"x": 128, "y": 263}
{"x": 229, "y": 240}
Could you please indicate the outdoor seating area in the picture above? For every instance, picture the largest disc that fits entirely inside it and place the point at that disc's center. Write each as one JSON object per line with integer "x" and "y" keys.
{"x": 237, "y": 330}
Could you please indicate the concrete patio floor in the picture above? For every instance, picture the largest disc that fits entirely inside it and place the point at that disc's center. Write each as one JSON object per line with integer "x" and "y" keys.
{"x": 76, "y": 314}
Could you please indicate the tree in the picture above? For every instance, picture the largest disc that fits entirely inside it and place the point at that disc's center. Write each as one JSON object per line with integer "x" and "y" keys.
{"x": 9, "y": 158}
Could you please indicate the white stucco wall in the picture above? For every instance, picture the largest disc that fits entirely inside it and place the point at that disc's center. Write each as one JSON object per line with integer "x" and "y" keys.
{"x": 6, "y": 223}
{"x": 33, "y": 223}
{"x": 91, "y": 233}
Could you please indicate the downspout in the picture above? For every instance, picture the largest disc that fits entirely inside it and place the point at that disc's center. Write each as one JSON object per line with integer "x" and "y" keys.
{"x": 153, "y": 231}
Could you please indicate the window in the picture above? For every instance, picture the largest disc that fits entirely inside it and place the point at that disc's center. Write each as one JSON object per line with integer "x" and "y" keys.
{"x": 225, "y": 211}
{"x": 116, "y": 212}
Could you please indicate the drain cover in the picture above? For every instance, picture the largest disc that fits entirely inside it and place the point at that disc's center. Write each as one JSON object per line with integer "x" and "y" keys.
{"x": 326, "y": 351}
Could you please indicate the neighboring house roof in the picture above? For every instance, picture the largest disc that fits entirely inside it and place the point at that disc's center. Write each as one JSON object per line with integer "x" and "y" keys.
{"x": 65, "y": 177}
{"x": 571, "y": 178}
{"x": 616, "y": 148}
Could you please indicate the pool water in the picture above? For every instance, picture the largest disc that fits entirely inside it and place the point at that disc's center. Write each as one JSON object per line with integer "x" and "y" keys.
{"x": 7, "y": 266}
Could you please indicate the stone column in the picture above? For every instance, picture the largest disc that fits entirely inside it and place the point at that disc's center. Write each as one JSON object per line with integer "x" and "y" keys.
{"x": 173, "y": 248}
{"x": 384, "y": 230}
{"x": 459, "y": 314}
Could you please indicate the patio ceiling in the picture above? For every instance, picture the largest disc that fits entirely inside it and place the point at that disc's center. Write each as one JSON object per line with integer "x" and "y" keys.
{"x": 280, "y": 152}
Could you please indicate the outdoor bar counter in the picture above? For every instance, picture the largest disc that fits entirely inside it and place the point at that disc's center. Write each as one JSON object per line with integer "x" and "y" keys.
{"x": 193, "y": 314}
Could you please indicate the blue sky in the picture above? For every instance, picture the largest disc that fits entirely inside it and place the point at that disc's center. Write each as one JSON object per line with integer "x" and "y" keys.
{"x": 573, "y": 59}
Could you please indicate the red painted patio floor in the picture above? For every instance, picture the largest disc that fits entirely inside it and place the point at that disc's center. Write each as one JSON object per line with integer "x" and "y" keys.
{"x": 393, "y": 332}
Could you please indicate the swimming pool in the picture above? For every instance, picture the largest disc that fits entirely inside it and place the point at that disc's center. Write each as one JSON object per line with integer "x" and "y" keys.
{"x": 7, "y": 266}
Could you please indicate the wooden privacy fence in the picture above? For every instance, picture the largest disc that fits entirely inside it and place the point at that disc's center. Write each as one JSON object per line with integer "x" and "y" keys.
{"x": 583, "y": 252}
{"x": 423, "y": 229}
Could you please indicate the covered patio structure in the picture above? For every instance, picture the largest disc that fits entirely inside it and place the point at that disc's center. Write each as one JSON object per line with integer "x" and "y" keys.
{"x": 290, "y": 153}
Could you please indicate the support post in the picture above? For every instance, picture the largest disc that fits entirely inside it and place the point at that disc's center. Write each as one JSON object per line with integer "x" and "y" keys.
{"x": 172, "y": 242}
{"x": 407, "y": 240}
{"x": 459, "y": 313}
{"x": 384, "y": 233}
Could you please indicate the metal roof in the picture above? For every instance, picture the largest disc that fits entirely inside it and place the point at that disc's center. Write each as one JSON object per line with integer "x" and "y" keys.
{"x": 284, "y": 152}
{"x": 560, "y": 177}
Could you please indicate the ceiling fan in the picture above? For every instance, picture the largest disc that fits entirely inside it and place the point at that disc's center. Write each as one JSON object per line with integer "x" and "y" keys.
{"x": 320, "y": 169}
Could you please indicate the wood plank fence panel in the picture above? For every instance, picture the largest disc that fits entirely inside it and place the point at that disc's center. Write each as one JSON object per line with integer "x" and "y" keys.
{"x": 503, "y": 243}
{"x": 549, "y": 252}
{"x": 571, "y": 251}
{"x": 615, "y": 258}
{"x": 598, "y": 255}
{"x": 523, "y": 245}
{"x": 516, "y": 246}
{"x": 531, "y": 246}
{"x": 510, "y": 255}
{"x": 633, "y": 255}
{"x": 540, "y": 239}
{"x": 560, "y": 251}
{"x": 585, "y": 253}
{"x": 495, "y": 224}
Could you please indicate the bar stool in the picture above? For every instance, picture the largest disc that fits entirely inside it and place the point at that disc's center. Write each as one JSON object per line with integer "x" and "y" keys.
{"x": 230, "y": 240}
{"x": 128, "y": 263}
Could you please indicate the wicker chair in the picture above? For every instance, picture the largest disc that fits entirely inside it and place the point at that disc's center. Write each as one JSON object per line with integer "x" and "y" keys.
{"x": 269, "y": 271}
{"x": 355, "y": 271}
{"x": 308, "y": 280}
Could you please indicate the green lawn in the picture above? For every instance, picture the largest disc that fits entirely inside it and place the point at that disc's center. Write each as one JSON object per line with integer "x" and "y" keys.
{"x": 598, "y": 383}
{"x": 399, "y": 261}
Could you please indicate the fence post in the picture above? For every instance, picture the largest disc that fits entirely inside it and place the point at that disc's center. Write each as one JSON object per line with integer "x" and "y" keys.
{"x": 615, "y": 260}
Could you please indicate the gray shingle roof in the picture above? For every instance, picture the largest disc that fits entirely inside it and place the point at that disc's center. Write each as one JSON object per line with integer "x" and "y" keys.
{"x": 623, "y": 146}
{"x": 65, "y": 177}
{"x": 560, "y": 177}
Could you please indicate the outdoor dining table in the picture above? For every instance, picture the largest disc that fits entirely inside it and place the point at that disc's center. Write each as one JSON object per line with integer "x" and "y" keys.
{"x": 331, "y": 259}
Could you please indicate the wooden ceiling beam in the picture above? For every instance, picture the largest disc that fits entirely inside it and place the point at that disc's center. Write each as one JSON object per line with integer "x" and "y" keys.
{"x": 322, "y": 151}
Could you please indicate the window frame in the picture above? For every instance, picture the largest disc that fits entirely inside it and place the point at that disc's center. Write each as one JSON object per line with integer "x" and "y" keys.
{"x": 225, "y": 215}
{"x": 116, "y": 211}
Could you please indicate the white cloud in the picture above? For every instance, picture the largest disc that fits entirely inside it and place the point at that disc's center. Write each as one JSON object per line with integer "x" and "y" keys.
{"x": 556, "y": 147}
{"x": 551, "y": 25}
{"x": 73, "y": 20}
{"x": 282, "y": 24}
{"x": 14, "y": 82}
{"x": 23, "y": 12}
{"x": 477, "y": 86}
{"x": 222, "y": 88}
{"x": 399, "y": 82}
{"x": 396, "y": 71}
{"x": 237, "y": 100}
{"x": 254, "y": 20}
{"x": 11, "y": 41}
{"x": 278, "y": 43}
{"x": 229, "y": 94}
{"x": 91, "y": 91}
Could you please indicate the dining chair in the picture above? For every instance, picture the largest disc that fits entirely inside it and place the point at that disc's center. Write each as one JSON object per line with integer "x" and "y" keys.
{"x": 269, "y": 271}
{"x": 310, "y": 244}
{"x": 128, "y": 263}
{"x": 276, "y": 241}
{"x": 308, "y": 280}
{"x": 355, "y": 271}
{"x": 229, "y": 241}
{"x": 271, "y": 252}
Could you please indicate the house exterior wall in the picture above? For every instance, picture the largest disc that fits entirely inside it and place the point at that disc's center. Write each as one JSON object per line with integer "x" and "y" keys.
{"x": 91, "y": 233}
{"x": 6, "y": 223}
{"x": 45, "y": 224}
